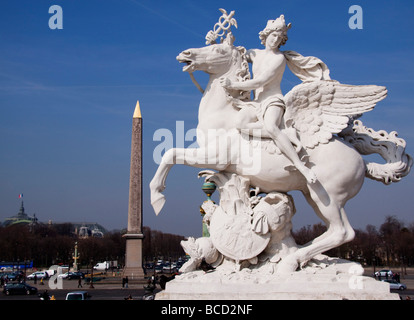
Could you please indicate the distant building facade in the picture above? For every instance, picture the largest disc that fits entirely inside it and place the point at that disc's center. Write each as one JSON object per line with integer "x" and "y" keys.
{"x": 86, "y": 230}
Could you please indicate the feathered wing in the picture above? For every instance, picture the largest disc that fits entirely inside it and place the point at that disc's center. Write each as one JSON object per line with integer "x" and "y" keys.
{"x": 320, "y": 109}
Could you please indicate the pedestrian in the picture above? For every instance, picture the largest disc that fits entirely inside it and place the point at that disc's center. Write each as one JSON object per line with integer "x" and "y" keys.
{"x": 45, "y": 295}
{"x": 80, "y": 282}
{"x": 126, "y": 282}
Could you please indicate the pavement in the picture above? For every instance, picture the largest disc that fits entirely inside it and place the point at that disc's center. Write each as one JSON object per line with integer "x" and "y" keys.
{"x": 107, "y": 282}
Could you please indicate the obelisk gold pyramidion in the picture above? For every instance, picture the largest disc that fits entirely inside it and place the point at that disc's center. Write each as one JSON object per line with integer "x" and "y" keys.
{"x": 133, "y": 255}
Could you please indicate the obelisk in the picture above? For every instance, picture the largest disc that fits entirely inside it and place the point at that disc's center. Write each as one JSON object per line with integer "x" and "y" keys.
{"x": 133, "y": 255}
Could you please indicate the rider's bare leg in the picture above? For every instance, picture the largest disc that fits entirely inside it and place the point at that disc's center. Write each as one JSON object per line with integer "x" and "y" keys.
{"x": 272, "y": 118}
{"x": 247, "y": 119}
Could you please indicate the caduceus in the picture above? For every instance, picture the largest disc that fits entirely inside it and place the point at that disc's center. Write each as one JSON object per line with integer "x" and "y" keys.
{"x": 221, "y": 27}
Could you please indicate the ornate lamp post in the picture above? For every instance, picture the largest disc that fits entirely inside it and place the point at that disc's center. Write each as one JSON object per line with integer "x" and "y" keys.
{"x": 208, "y": 188}
{"x": 91, "y": 283}
{"x": 75, "y": 258}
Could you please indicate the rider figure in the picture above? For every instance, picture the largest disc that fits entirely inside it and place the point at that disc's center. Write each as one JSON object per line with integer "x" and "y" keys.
{"x": 268, "y": 66}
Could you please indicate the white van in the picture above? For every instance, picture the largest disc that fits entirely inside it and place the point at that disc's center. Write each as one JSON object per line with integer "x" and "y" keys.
{"x": 78, "y": 295}
{"x": 102, "y": 266}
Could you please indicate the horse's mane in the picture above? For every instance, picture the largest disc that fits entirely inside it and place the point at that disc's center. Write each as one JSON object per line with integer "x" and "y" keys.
{"x": 243, "y": 73}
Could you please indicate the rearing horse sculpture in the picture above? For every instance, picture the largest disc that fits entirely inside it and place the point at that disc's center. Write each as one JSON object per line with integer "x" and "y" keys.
{"x": 319, "y": 112}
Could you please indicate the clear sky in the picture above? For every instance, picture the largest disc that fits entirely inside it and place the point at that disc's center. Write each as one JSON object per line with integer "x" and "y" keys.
{"x": 67, "y": 97}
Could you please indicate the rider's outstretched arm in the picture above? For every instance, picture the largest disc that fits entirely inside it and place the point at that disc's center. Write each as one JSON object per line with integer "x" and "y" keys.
{"x": 251, "y": 84}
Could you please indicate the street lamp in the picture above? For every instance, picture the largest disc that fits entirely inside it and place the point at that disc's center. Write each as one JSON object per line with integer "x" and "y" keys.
{"x": 75, "y": 258}
{"x": 91, "y": 282}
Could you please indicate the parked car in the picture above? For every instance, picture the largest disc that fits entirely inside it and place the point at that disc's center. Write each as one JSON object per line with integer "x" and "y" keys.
{"x": 19, "y": 288}
{"x": 384, "y": 272}
{"x": 394, "y": 285}
{"x": 158, "y": 269}
{"x": 78, "y": 295}
{"x": 13, "y": 276}
{"x": 76, "y": 275}
{"x": 39, "y": 275}
{"x": 72, "y": 275}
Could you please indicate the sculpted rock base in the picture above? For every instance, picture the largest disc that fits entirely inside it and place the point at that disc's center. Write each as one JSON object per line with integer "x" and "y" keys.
{"x": 324, "y": 279}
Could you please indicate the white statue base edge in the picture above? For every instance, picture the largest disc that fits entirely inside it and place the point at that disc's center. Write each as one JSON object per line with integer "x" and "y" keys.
{"x": 339, "y": 280}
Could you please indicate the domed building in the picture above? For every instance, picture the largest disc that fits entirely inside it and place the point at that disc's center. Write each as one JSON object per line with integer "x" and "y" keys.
{"x": 82, "y": 230}
{"x": 20, "y": 218}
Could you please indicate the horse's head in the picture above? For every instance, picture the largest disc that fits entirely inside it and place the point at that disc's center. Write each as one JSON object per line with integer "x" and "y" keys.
{"x": 214, "y": 59}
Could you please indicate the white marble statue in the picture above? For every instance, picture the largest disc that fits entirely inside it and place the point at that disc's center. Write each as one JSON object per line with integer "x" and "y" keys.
{"x": 262, "y": 144}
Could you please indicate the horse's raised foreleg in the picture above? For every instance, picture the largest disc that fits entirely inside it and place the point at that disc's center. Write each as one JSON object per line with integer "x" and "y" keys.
{"x": 194, "y": 157}
{"x": 157, "y": 185}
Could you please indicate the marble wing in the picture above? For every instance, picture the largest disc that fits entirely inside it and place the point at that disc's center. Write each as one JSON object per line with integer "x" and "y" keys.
{"x": 319, "y": 109}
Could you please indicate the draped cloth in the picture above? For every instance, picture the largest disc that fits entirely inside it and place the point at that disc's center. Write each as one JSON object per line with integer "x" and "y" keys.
{"x": 306, "y": 68}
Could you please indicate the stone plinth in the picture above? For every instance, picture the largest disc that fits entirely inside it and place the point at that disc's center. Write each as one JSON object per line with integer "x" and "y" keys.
{"x": 133, "y": 264}
{"x": 338, "y": 281}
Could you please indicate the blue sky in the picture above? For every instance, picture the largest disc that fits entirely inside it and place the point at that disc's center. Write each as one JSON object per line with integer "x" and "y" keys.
{"x": 67, "y": 98}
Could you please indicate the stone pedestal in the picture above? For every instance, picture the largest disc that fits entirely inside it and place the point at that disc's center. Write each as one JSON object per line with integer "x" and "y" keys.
{"x": 339, "y": 281}
{"x": 133, "y": 264}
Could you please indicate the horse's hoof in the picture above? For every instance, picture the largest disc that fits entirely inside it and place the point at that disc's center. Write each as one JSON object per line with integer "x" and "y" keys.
{"x": 287, "y": 265}
{"x": 157, "y": 203}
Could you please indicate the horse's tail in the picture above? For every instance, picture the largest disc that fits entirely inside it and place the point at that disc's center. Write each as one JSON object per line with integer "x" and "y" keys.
{"x": 391, "y": 148}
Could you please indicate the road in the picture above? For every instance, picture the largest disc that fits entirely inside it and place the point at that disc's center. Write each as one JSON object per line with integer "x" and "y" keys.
{"x": 110, "y": 290}
{"x": 96, "y": 294}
